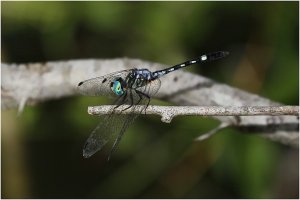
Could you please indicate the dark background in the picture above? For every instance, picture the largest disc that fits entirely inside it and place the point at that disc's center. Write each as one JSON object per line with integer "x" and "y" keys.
{"x": 42, "y": 149}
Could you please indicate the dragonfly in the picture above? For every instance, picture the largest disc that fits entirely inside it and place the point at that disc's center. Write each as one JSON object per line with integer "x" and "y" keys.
{"x": 130, "y": 88}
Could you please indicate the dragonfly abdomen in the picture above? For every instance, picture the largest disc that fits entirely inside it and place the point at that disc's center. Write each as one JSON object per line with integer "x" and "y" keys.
{"x": 202, "y": 59}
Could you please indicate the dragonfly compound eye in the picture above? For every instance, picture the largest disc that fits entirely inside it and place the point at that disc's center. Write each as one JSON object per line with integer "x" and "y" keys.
{"x": 117, "y": 88}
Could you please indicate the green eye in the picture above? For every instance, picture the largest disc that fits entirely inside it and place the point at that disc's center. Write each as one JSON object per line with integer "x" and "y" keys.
{"x": 117, "y": 88}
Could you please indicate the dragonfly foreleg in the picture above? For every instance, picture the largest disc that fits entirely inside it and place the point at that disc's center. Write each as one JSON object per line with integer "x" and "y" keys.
{"x": 131, "y": 101}
{"x": 121, "y": 103}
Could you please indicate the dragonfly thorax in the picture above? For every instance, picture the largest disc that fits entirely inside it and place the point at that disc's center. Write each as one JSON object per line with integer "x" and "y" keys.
{"x": 138, "y": 78}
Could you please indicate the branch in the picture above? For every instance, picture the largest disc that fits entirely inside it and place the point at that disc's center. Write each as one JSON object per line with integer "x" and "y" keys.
{"x": 167, "y": 113}
{"x": 27, "y": 84}
{"x": 287, "y": 132}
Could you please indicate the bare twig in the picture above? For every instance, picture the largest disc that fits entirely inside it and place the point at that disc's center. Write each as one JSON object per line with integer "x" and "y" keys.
{"x": 169, "y": 112}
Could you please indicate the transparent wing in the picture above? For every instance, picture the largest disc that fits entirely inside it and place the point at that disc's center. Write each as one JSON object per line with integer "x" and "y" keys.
{"x": 151, "y": 88}
{"x": 113, "y": 125}
{"x": 107, "y": 128}
{"x": 101, "y": 85}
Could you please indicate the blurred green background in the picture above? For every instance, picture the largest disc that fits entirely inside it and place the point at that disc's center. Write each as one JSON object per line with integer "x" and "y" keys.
{"x": 42, "y": 149}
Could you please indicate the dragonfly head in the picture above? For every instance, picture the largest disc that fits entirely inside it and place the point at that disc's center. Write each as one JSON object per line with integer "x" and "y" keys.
{"x": 118, "y": 86}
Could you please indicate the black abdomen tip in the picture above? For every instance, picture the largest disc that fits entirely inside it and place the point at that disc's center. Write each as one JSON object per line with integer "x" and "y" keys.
{"x": 79, "y": 84}
{"x": 221, "y": 54}
{"x": 216, "y": 55}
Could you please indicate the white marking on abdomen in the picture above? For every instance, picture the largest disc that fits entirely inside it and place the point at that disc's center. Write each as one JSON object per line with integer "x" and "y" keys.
{"x": 162, "y": 73}
{"x": 204, "y": 57}
{"x": 193, "y": 61}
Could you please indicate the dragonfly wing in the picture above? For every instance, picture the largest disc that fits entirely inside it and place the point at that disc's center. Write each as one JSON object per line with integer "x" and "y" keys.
{"x": 151, "y": 88}
{"x": 107, "y": 128}
{"x": 114, "y": 125}
{"x": 101, "y": 85}
{"x": 129, "y": 120}
{"x": 135, "y": 111}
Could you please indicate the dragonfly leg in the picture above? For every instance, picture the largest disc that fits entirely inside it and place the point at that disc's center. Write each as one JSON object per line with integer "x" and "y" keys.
{"x": 136, "y": 91}
{"x": 145, "y": 95}
{"x": 123, "y": 99}
{"x": 131, "y": 101}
